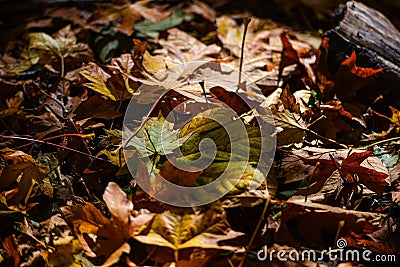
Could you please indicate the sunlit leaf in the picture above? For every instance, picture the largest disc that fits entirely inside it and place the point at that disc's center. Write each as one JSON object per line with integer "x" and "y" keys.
{"x": 176, "y": 231}
{"x": 291, "y": 128}
{"x": 157, "y": 137}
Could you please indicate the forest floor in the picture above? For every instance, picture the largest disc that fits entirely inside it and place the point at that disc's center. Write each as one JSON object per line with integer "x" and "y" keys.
{"x": 193, "y": 133}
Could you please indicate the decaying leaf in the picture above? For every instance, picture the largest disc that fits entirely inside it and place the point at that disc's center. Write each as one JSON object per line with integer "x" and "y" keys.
{"x": 112, "y": 86}
{"x": 351, "y": 166}
{"x": 62, "y": 48}
{"x": 152, "y": 29}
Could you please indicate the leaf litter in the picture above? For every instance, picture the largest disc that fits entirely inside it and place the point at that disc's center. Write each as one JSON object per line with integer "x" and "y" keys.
{"x": 67, "y": 199}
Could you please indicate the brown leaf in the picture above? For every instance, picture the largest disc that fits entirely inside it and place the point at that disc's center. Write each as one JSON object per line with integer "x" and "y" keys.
{"x": 371, "y": 178}
{"x": 177, "y": 176}
{"x": 119, "y": 206}
{"x": 98, "y": 107}
{"x": 289, "y": 101}
{"x": 126, "y": 14}
{"x": 232, "y": 99}
{"x": 111, "y": 234}
{"x": 22, "y": 172}
{"x": 12, "y": 105}
{"x": 177, "y": 234}
{"x": 289, "y": 55}
{"x": 89, "y": 220}
{"x": 202, "y": 9}
{"x": 316, "y": 225}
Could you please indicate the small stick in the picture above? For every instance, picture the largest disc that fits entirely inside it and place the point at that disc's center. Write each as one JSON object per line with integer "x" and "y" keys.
{"x": 246, "y": 22}
{"x": 143, "y": 122}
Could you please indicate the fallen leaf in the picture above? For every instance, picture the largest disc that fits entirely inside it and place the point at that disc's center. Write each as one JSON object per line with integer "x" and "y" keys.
{"x": 60, "y": 49}
{"x": 152, "y": 29}
{"x": 22, "y": 172}
{"x": 291, "y": 128}
{"x": 177, "y": 234}
{"x": 157, "y": 137}
{"x": 289, "y": 101}
{"x": 10, "y": 245}
{"x": 98, "y": 107}
{"x": 98, "y": 235}
{"x": 202, "y": 9}
{"x": 105, "y": 84}
{"x": 289, "y": 55}
{"x": 178, "y": 176}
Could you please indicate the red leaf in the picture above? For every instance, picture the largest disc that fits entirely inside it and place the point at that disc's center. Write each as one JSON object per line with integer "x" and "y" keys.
{"x": 351, "y": 78}
{"x": 351, "y": 167}
{"x": 357, "y": 158}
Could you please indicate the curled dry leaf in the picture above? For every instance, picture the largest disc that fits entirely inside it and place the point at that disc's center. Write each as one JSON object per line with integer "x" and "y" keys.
{"x": 22, "y": 171}
{"x": 291, "y": 128}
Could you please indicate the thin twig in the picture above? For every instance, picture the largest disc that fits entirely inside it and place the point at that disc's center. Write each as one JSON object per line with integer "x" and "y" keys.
{"x": 380, "y": 142}
{"x": 82, "y": 136}
{"x": 253, "y": 237}
{"x": 246, "y": 22}
{"x": 133, "y": 134}
{"x": 309, "y": 182}
{"x": 326, "y": 138}
{"x": 51, "y": 144}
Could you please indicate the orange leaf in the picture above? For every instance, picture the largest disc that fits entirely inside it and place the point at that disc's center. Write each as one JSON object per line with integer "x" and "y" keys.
{"x": 10, "y": 245}
{"x": 358, "y": 71}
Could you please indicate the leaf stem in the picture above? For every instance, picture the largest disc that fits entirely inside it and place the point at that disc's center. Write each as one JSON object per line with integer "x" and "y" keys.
{"x": 62, "y": 66}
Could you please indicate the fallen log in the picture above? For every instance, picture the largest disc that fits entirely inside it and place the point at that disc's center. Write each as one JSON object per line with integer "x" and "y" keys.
{"x": 372, "y": 36}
